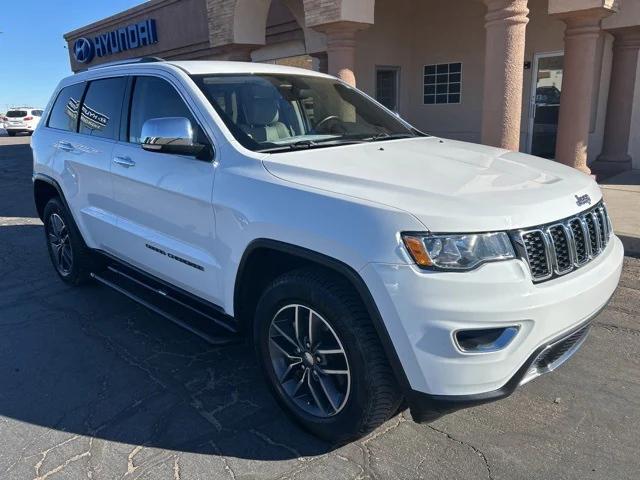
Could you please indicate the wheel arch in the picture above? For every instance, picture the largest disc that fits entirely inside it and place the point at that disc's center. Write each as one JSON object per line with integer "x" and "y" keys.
{"x": 264, "y": 259}
{"x": 44, "y": 189}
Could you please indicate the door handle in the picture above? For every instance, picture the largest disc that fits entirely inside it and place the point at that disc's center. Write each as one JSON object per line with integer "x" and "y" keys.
{"x": 66, "y": 146}
{"x": 124, "y": 161}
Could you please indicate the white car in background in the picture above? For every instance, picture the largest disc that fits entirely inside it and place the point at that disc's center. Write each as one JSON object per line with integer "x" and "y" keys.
{"x": 22, "y": 120}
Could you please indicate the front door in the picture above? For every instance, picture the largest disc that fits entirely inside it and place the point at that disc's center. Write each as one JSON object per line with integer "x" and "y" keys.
{"x": 545, "y": 104}
{"x": 162, "y": 202}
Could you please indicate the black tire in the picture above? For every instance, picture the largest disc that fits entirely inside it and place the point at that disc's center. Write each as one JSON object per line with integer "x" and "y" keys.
{"x": 374, "y": 395}
{"x": 83, "y": 260}
{"x": 11, "y": 134}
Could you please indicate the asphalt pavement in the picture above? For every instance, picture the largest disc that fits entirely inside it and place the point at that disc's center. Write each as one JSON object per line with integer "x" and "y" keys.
{"x": 93, "y": 386}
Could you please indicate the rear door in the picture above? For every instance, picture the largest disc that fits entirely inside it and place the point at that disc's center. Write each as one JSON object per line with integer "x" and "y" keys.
{"x": 162, "y": 201}
{"x": 88, "y": 124}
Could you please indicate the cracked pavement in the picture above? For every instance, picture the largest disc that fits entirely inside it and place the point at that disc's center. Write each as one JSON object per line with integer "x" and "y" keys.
{"x": 93, "y": 386}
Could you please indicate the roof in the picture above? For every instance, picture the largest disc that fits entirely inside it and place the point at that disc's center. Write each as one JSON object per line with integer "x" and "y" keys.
{"x": 199, "y": 67}
{"x": 204, "y": 67}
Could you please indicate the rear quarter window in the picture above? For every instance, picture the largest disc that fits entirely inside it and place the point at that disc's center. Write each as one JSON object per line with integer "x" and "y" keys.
{"x": 64, "y": 114}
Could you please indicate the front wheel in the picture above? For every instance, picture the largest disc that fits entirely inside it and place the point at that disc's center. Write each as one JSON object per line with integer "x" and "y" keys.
{"x": 322, "y": 357}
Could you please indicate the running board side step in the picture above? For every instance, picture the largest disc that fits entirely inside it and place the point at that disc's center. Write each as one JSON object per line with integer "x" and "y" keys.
{"x": 197, "y": 317}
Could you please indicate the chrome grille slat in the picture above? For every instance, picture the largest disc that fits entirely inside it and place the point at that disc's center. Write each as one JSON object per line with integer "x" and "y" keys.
{"x": 580, "y": 235}
{"x": 596, "y": 225}
{"x": 559, "y": 248}
{"x": 561, "y": 251}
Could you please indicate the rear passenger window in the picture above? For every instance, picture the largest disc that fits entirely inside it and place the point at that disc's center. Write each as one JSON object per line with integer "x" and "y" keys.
{"x": 155, "y": 98}
{"x": 64, "y": 114}
{"x": 100, "y": 115}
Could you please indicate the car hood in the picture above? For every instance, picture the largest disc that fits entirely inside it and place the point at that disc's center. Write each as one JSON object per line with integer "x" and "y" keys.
{"x": 449, "y": 186}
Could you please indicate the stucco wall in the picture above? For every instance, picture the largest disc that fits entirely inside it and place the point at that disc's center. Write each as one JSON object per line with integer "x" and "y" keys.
{"x": 627, "y": 16}
{"x": 412, "y": 34}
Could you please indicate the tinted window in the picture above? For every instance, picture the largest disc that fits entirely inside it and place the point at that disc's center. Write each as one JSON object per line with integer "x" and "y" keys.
{"x": 64, "y": 114}
{"x": 102, "y": 107}
{"x": 37, "y": 113}
{"x": 155, "y": 98}
{"x": 16, "y": 113}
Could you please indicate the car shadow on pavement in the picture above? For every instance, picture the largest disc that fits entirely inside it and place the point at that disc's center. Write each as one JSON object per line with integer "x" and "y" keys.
{"x": 89, "y": 361}
{"x": 15, "y": 180}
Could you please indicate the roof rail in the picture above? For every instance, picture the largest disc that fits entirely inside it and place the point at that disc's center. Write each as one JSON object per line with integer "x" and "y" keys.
{"x": 128, "y": 61}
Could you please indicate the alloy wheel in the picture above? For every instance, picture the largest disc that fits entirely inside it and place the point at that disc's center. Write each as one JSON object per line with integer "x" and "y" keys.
{"x": 309, "y": 361}
{"x": 60, "y": 244}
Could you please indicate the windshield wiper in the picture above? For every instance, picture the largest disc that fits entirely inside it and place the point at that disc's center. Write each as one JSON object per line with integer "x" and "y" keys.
{"x": 308, "y": 144}
{"x": 387, "y": 136}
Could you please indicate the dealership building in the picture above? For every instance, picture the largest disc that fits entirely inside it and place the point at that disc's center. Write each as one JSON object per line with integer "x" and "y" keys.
{"x": 556, "y": 78}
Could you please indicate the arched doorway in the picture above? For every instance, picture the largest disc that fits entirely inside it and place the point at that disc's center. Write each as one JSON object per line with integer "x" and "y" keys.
{"x": 288, "y": 41}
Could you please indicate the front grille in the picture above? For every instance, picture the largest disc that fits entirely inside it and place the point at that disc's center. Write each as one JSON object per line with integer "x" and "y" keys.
{"x": 582, "y": 255}
{"x": 535, "y": 246}
{"x": 561, "y": 247}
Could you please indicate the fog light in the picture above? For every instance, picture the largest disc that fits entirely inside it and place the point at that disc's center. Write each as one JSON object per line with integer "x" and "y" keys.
{"x": 485, "y": 340}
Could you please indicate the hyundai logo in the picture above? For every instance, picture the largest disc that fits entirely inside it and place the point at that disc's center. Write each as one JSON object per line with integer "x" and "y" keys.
{"x": 83, "y": 50}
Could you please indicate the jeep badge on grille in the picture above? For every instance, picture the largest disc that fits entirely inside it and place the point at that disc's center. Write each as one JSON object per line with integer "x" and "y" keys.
{"x": 583, "y": 200}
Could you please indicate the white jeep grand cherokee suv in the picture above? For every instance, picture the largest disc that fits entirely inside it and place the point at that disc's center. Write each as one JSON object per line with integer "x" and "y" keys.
{"x": 372, "y": 265}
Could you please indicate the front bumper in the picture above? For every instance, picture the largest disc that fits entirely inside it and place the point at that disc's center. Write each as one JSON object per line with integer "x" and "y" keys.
{"x": 421, "y": 310}
{"x": 426, "y": 408}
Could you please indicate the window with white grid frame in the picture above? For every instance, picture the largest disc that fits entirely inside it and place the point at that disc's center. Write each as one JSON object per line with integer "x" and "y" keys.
{"x": 442, "y": 83}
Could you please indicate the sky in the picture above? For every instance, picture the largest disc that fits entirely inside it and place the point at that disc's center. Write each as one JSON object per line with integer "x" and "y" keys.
{"x": 33, "y": 57}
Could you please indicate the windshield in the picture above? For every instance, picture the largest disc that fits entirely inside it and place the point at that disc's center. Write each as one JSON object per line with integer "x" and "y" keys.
{"x": 275, "y": 113}
{"x": 16, "y": 113}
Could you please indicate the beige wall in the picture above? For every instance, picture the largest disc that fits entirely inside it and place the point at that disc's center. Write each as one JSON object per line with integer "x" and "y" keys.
{"x": 182, "y": 27}
{"x": 627, "y": 16}
{"x": 412, "y": 34}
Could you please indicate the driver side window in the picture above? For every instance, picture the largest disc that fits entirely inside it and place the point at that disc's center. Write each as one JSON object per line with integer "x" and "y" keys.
{"x": 154, "y": 97}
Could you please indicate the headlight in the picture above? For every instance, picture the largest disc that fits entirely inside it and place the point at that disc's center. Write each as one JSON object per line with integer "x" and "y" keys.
{"x": 458, "y": 252}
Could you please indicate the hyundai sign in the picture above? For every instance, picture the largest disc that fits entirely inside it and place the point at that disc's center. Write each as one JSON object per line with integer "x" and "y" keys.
{"x": 126, "y": 38}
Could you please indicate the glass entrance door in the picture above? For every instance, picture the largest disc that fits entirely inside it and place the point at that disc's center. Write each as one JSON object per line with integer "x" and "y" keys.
{"x": 545, "y": 104}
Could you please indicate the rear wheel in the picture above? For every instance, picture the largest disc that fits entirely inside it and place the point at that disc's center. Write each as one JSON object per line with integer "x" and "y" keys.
{"x": 322, "y": 357}
{"x": 71, "y": 258}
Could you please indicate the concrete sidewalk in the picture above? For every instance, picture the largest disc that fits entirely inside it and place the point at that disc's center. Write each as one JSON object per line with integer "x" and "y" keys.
{"x": 622, "y": 194}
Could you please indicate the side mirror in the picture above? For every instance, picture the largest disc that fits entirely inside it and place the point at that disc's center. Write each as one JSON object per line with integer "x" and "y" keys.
{"x": 171, "y": 135}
